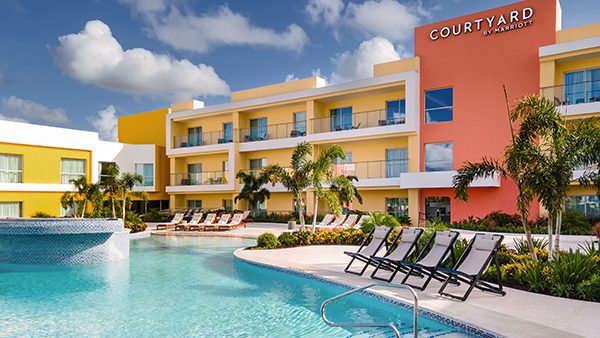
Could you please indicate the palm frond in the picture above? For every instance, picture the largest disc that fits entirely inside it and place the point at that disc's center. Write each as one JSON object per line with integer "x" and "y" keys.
{"x": 473, "y": 170}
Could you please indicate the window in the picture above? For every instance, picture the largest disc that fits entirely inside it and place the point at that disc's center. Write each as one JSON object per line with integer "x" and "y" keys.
{"x": 396, "y": 206}
{"x": 348, "y": 159}
{"x": 395, "y": 111}
{"x": 104, "y": 170}
{"x": 582, "y": 86}
{"x": 71, "y": 169}
{"x": 69, "y": 211}
{"x": 438, "y": 156}
{"x": 11, "y": 168}
{"x": 586, "y": 204}
{"x": 194, "y": 173}
{"x": 438, "y": 105}
{"x": 437, "y": 208}
{"x": 194, "y": 204}
{"x": 146, "y": 170}
{"x": 258, "y": 129}
{"x": 257, "y": 163}
{"x": 194, "y": 136}
{"x": 396, "y": 162}
{"x": 228, "y": 205}
{"x": 299, "y": 124}
{"x": 11, "y": 209}
{"x": 340, "y": 119}
{"x": 344, "y": 167}
{"x": 261, "y": 208}
{"x": 227, "y": 132}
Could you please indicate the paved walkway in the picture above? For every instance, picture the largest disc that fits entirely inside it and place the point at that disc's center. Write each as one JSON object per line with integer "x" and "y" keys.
{"x": 518, "y": 314}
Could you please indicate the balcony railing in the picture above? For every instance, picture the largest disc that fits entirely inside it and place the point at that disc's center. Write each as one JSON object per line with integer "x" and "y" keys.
{"x": 372, "y": 169}
{"x": 369, "y": 119}
{"x": 203, "y": 178}
{"x": 201, "y": 139}
{"x": 147, "y": 181}
{"x": 273, "y": 132}
{"x": 574, "y": 93}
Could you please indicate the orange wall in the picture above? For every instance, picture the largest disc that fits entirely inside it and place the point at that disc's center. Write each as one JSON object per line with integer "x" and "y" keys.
{"x": 477, "y": 67}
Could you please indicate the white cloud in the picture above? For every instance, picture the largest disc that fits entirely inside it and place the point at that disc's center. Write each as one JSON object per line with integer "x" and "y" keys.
{"x": 31, "y": 110}
{"x": 291, "y": 77}
{"x": 358, "y": 64}
{"x": 105, "y": 122}
{"x": 12, "y": 118}
{"x": 185, "y": 30}
{"x": 386, "y": 18}
{"x": 327, "y": 11}
{"x": 94, "y": 56}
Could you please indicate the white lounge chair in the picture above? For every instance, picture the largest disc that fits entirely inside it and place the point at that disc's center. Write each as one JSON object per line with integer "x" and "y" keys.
{"x": 176, "y": 220}
{"x": 349, "y": 222}
{"x": 335, "y": 224}
{"x": 222, "y": 222}
{"x": 235, "y": 221}
{"x": 361, "y": 220}
{"x": 326, "y": 220}
{"x": 194, "y": 223}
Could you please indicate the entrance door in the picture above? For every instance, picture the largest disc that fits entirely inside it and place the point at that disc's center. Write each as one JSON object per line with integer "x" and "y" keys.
{"x": 437, "y": 208}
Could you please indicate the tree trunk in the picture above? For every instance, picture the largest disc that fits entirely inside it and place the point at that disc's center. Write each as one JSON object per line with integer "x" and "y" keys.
{"x": 315, "y": 210}
{"x": 83, "y": 209}
{"x": 300, "y": 207}
{"x": 124, "y": 204}
{"x": 557, "y": 237}
{"x": 112, "y": 204}
{"x": 550, "y": 231}
{"x": 528, "y": 236}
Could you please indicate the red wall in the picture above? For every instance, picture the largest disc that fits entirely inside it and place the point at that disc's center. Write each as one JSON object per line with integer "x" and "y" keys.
{"x": 477, "y": 67}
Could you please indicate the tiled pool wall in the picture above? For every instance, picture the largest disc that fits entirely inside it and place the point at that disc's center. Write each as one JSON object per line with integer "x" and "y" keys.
{"x": 63, "y": 241}
{"x": 468, "y": 328}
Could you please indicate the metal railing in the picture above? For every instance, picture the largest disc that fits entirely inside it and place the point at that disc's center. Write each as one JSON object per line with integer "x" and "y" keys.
{"x": 573, "y": 93}
{"x": 201, "y": 139}
{"x": 369, "y": 119}
{"x": 372, "y": 169}
{"x": 203, "y": 178}
{"x": 273, "y": 132}
{"x": 389, "y": 325}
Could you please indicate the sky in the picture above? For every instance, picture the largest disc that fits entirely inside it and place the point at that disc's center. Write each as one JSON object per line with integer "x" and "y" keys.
{"x": 81, "y": 64}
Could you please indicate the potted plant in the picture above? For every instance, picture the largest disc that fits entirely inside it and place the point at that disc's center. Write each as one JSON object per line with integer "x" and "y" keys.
{"x": 292, "y": 223}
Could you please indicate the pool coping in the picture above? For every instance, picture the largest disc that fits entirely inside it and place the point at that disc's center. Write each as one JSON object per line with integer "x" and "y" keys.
{"x": 423, "y": 311}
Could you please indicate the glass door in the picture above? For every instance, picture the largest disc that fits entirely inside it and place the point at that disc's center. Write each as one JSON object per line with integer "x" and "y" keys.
{"x": 438, "y": 208}
{"x": 194, "y": 174}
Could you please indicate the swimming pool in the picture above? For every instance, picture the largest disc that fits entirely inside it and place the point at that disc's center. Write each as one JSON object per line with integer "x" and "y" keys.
{"x": 182, "y": 286}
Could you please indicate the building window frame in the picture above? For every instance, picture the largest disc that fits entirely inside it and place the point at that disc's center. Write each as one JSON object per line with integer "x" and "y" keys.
{"x": 585, "y": 204}
{"x": 396, "y": 206}
{"x": 395, "y": 111}
{"x": 66, "y": 177}
{"x": 11, "y": 168}
{"x": 146, "y": 170}
{"x": 194, "y": 204}
{"x": 437, "y": 109}
{"x": 340, "y": 118}
{"x": 299, "y": 124}
{"x": 7, "y": 209}
{"x": 432, "y": 163}
{"x": 194, "y": 136}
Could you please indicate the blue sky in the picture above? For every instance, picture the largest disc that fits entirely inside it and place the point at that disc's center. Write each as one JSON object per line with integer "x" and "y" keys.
{"x": 79, "y": 64}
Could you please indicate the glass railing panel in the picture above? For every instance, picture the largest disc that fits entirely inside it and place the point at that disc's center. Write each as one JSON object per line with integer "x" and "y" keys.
{"x": 273, "y": 132}
{"x": 203, "y": 178}
{"x": 369, "y": 119}
{"x": 574, "y": 93}
{"x": 205, "y": 138}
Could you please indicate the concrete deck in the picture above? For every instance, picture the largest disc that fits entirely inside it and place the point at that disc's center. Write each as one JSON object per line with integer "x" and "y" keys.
{"x": 518, "y": 314}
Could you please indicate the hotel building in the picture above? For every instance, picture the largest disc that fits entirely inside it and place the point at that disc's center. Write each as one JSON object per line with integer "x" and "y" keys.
{"x": 405, "y": 130}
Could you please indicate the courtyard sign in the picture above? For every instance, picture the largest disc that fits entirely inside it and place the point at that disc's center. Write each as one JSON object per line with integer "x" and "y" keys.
{"x": 488, "y": 25}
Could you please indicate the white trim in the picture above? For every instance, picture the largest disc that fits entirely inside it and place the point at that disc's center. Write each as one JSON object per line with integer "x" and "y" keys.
{"x": 143, "y": 188}
{"x": 36, "y": 187}
{"x": 362, "y": 132}
{"x": 570, "y": 46}
{"x": 580, "y": 108}
{"x": 392, "y": 182}
{"x": 441, "y": 179}
{"x": 200, "y": 149}
{"x": 282, "y": 143}
{"x": 199, "y": 188}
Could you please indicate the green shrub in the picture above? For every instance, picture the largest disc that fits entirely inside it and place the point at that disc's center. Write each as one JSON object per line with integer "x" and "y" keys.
{"x": 522, "y": 247}
{"x": 589, "y": 289}
{"x": 287, "y": 240}
{"x": 155, "y": 215}
{"x": 404, "y": 220}
{"x": 533, "y": 275}
{"x": 568, "y": 270}
{"x": 590, "y": 248}
{"x": 41, "y": 214}
{"x": 575, "y": 223}
{"x": 267, "y": 241}
{"x": 459, "y": 248}
{"x": 134, "y": 222}
{"x": 379, "y": 219}
{"x": 302, "y": 237}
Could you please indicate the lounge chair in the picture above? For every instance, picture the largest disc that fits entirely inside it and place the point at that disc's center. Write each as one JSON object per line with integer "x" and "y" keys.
{"x": 222, "y": 222}
{"x": 235, "y": 221}
{"x": 473, "y": 263}
{"x": 376, "y": 239}
{"x": 195, "y": 222}
{"x": 361, "y": 220}
{"x": 441, "y": 247}
{"x": 195, "y": 219}
{"x": 406, "y": 245}
{"x": 208, "y": 221}
{"x": 326, "y": 220}
{"x": 335, "y": 224}
{"x": 245, "y": 215}
{"x": 176, "y": 220}
{"x": 349, "y": 222}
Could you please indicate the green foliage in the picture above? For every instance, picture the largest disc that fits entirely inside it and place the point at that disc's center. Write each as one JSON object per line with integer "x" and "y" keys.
{"x": 41, "y": 214}
{"x": 522, "y": 247}
{"x": 575, "y": 223}
{"x": 460, "y": 246}
{"x": 590, "y": 248}
{"x": 267, "y": 241}
{"x": 253, "y": 190}
{"x": 379, "y": 219}
{"x": 532, "y": 274}
{"x": 589, "y": 289}
{"x": 568, "y": 270}
{"x": 134, "y": 222}
{"x": 286, "y": 240}
{"x": 154, "y": 215}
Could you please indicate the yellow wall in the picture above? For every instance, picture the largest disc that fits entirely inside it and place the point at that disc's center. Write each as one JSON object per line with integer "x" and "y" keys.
{"x": 374, "y": 200}
{"x": 398, "y": 66}
{"x": 48, "y": 202}
{"x": 144, "y": 128}
{"x": 276, "y": 115}
{"x": 209, "y": 201}
{"x": 363, "y": 103}
{"x": 577, "y": 33}
{"x": 43, "y": 164}
{"x": 275, "y": 156}
{"x": 574, "y": 65}
{"x": 280, "y": 201}
{"x": 209, "y": 162}
{"x": 208, "y": 124}
{"x": 279, "y": 88}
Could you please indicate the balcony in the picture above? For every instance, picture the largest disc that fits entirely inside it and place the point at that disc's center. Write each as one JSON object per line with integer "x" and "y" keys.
{"x": 576, "y": 98}
{"x": 372, "y": 169}
{"x": 369, "y": 119}
{"x": 203, "y": 178}
{"x": 201, "y": 139}
{"x": 273, "y": 132}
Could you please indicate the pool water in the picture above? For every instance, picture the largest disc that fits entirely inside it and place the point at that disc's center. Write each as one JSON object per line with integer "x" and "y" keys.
{"x": 179, "y": 286}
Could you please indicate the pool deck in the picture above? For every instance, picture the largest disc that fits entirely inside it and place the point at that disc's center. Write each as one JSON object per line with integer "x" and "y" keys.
{"x": 518, "y": 314}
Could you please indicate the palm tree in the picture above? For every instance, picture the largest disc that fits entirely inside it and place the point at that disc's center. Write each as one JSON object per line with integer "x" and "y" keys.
{"x": 110, "y": 185}
{"x": 253, "y": 190}
{"x": 343, "y": 187}
{"x": 83, "y": 193}
{"x": 126, "y": 184}
{"x": 296, "y": 179}
{"x": 322, "y": 172}
{"x": 521, "y": 157}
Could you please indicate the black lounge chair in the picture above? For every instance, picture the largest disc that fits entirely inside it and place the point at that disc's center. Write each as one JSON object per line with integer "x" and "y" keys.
{"x": 376, "y": 239}
{"x": 406, "y": 246}
{"x": 473, "y": 263}
{"x": 440, "y": 248}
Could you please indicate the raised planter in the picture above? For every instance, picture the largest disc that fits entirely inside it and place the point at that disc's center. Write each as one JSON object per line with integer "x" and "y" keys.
{"x": 63, "y": 241}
